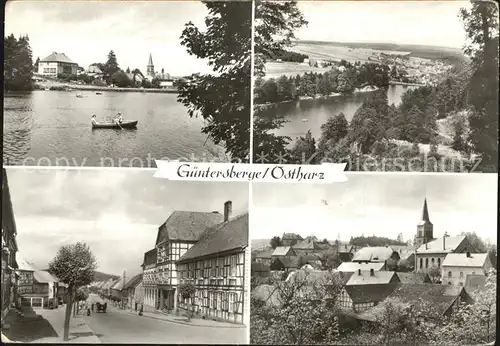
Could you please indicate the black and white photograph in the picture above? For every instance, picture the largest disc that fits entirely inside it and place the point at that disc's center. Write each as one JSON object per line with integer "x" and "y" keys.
{"x": 122, "y": 84}
{"x": 119, "y": 256}
{"x": 380, "y": 85}
{"x": 382, "y": 259}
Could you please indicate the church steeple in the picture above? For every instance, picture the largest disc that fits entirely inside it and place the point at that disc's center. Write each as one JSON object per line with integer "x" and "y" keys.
{"x": 425, "y": 212}
{"x": 425, "y": 228}
{"x": 150, "y": 68}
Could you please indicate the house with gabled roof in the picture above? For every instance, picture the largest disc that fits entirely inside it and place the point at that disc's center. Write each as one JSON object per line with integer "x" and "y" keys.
{"x": 283, "y": 251}
{"x": 413, "y": 278}
{"x": 345, "y": 252}
{"x": 290, "y": 239}
{"x": 366, "y": 289}
{"x": 218, "y": 265}
{"x": 456, "y": 267}
{"x": 444, "y": 299}
{"x": 181, "y": 231}
{"x": 433, "y": 253}
{"x": 285, "y": 264}
{"x": 263, "y": 256}
{"x": 351, "y": 267}
{"x": 306, "y": 247}
{"x": 378, "y": 254}
{"x": 133, "y": 292}
{"x": 150, "y": 300}
{"x": 55, "y": 64}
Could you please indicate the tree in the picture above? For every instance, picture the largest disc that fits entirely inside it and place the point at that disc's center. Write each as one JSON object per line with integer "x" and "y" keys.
{"x": 275, "y": 242}
{"x": 73, "y": 265}
{"x": 481, "y": 27}
{"x": 305, "y": 311}
{"x": 120, "y": 79}
{"x": 333, "y": 130}
{"x": 304, "y": 150}
{"x": 435, "y": 274}
{"x": 275, "y": 23}
{"x": 475, "y": 323}
{"x": 222, "y": 98}
{"x": 187, "y": 291}
{"x": 111, "y": 65}
{"x": 35, "y": 67}
{"x": 128, "y": 70}
{"x": 18, "y": 64}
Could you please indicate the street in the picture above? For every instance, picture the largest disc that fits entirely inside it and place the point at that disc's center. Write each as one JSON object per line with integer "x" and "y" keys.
{"x": 118, "y": 326}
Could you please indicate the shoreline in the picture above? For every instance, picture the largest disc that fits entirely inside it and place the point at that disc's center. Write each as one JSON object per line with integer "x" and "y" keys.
{"x": 319, "y": 97}
{"x": 97, "y": 88}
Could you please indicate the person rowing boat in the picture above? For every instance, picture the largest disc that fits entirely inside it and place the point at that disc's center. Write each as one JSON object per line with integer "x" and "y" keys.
{"x": 119, "y": 118}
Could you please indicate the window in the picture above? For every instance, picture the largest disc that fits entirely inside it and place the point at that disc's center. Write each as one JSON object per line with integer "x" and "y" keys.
{"x": 461, "y": 284}
{"x": 432, "y": 262}
{"x": 461, "y": 274}
{"x": 449, "y": 283}
{"x": 439, "y": 262}
{"x": 449, "y": 274}
{"x": 427, "y": 263}
{"x": 473, "y": 273}
{"x": 421, "y": 263}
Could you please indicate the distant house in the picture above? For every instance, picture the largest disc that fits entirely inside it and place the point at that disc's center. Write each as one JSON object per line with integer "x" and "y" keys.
{"x": 345, "y": 252}
{"x": 260, "y": 269}
{"x": 285, "y": 264}
{"x": 443, "y": 298}
{"x": 312, "y": 260}
{"x": 264, "y": 256}
{"x": 148, "y": 280}
{"x": 378, "y": 254}
{"x": 456, "y": 267}
{"x": 290, "y": 239}
{"x": 134, "y": 293}
{"x": 116, "y": 289}
{"x": 57, "y": 63}
{"x": 283, "y": 251}
{"x": 366, "y": 289}
{"x": 37, "y": 288}
{"x": 306, "y": 247}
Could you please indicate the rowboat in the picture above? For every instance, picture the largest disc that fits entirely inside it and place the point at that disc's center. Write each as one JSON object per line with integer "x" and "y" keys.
{"x": 79, "y": 95}
{"x": 98, "y": 93}
{"x": 123, "y": 125}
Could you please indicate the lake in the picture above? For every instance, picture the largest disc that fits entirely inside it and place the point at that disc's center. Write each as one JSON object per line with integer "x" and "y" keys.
{"x": 42, "y": 126}
{"x": 317, "y": 111}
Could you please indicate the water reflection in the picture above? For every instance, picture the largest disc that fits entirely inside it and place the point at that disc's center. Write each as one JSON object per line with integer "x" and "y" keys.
{"x": 55, "y": 124}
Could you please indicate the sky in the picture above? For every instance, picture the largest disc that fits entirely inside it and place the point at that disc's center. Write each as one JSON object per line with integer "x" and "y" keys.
{"x": 377, "y": 204}
{"x": 433, "y": 23}
{"x": 87, "y": 30}
{"x": 116, "y": 212}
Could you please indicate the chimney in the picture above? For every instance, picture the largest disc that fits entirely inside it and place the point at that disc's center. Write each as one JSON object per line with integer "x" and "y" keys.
{"x": 444, "y": 243}
{"x": 372, "y": 272}
{"x": 359, "y": 271}
{"x": 228, "y": 208}
{"x": 468, "y": 254}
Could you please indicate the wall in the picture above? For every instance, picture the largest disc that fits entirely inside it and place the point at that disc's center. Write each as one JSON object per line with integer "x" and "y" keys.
{"x": 220, "y": 286}
{"x": 459, "y": 274}
{"x": 48, "y": 68}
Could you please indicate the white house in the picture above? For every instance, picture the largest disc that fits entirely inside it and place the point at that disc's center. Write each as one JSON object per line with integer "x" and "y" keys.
{"x": 456, "y": 267}
{"x": 57, "y": 63}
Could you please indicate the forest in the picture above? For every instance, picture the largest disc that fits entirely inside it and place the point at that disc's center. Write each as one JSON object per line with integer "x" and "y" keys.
{"x": 313, "y": 84}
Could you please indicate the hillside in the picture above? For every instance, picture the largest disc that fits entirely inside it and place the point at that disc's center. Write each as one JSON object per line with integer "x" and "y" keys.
{"x": 99, "y": 276}
{"x": 259, "y": 243}
{"x": 361, "y": 50}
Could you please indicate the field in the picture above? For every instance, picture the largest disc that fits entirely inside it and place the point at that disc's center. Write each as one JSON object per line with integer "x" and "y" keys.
{"x": 362, "y": 49}
{"x": 326, "y": 51}
{"x": 278, "y": 69}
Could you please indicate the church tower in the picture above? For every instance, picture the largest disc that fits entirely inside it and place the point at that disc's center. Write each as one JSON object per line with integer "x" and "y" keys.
{"x": 151, "y": 68}
{"x": 425, "y": 229}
